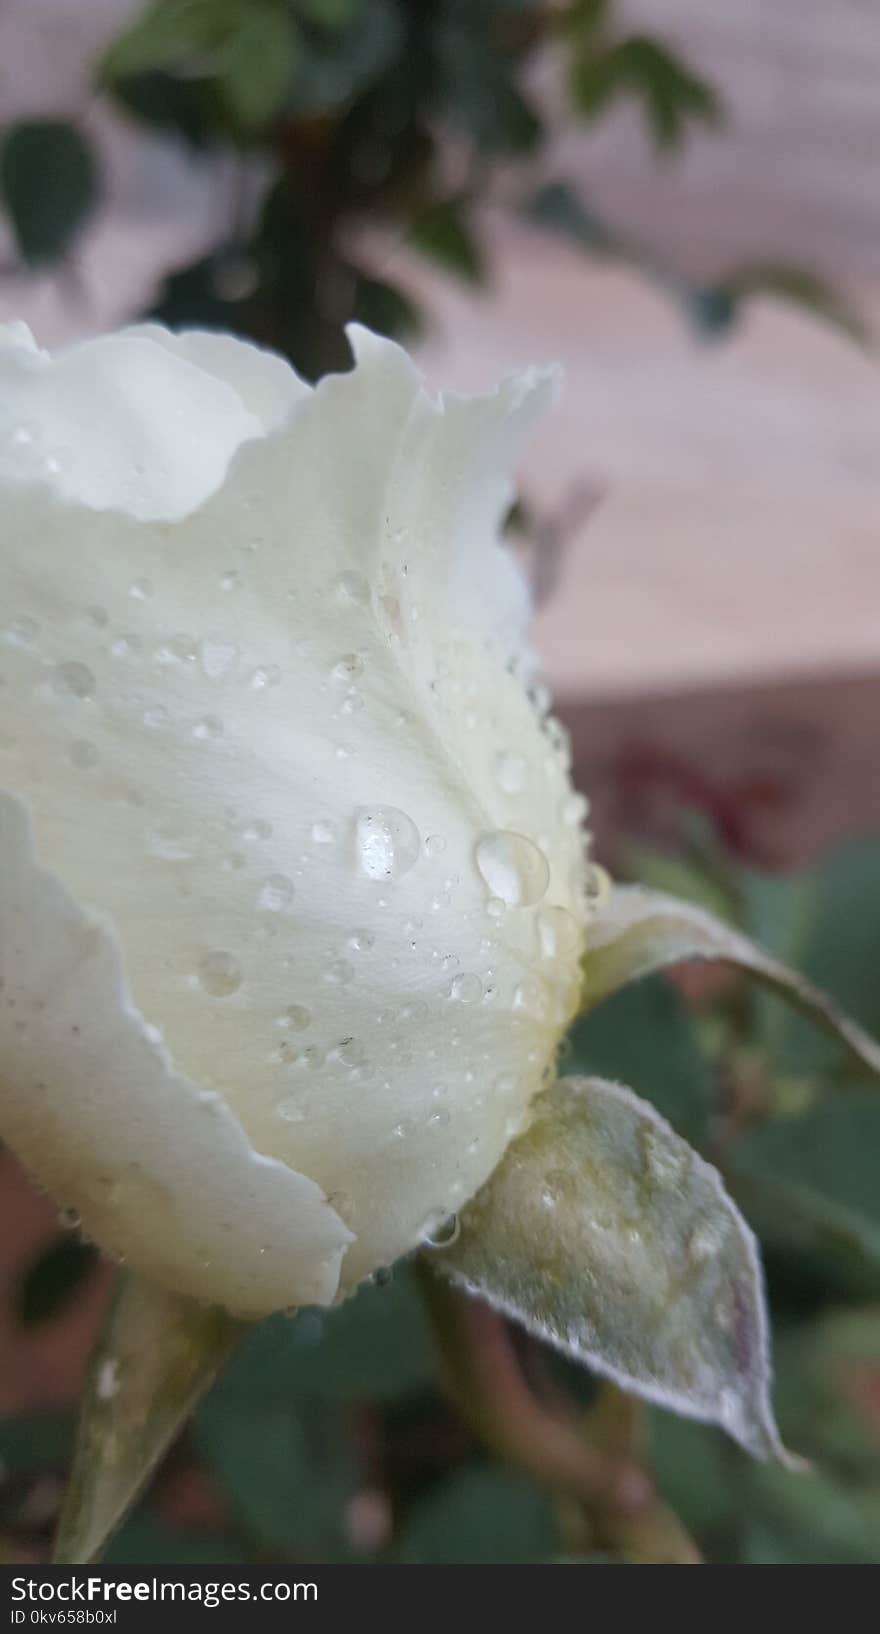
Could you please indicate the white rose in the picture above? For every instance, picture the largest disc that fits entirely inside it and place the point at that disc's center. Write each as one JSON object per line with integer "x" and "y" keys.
{"x": 291, "y": 873}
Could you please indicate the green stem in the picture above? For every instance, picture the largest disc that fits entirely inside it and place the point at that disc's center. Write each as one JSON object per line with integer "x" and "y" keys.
{"x": 604, "y": 1474}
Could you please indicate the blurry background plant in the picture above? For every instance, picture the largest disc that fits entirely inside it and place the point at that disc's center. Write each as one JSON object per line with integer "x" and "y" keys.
{"x": 355, "y": 125}
{"x": 359, "y": 123}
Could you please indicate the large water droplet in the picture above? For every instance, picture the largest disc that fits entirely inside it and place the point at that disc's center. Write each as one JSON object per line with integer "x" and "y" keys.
{"x": 295, "y": 1016}
{"x": 347, "y": 669}
{"x": 439, "y": 1229}
{"x": 351, "y": 587}
{"x": 219, "y": 974}
{"x": 512, "y": 867}
{"x": 73, "y": 680}
{"x": 275, "y": 894}
{"x": 466, "y": 989}
{"x": 387, "y": 842}
{"x": 558, "y": 932}
{"x": 511, "y": 771}
{"x": 218, "y": 658}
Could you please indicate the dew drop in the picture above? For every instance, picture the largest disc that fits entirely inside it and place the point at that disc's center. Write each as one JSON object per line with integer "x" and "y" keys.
{"x": 387, "y": 842}
{"x": 230, "y": 581}
{"x": 439, "y": 1229}
{"x": 156, "y": 717}
{"x": 666, "y": 1159}
{"x": 511, "y": 771}
{"x": 361, "y": 940}
{"x": 435, "y": 845}
{"x": 596, "y": 886}
{"x": 73, "y": 680}
{"x": 339, "y": 973}
{"x": 558, "y": 932}
{"x": 21, "y": 632}
{"x": 512, "y": 867}
{"x": 324, "y": 832}
{"x": 466, "y": 989}
{"x": 266, "y": 676}
{"x": 217, "y": 658}
{"x": 704, "y": 1242}
{"x": 178, "y": 649}
{"x": 574, "y": 809}
{"x": 289, "y": 1110}
{"x": 347, "y": 669}
{"x": 219, "y": 974}
{"x": 275, "y": 893}
{"x": 208, "y": 728}
{"x": 140, "y": 589}
{"x": 295, "y": 1016}
{"x": 69, "y": 1219}
{"x": 258, "y": 829}
{"x": 83, "y": 755}
{"x": 351, "y": 587}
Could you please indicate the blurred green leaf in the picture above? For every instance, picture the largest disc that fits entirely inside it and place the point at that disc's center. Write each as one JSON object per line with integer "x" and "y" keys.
{"x": 828, "y": 924}
{"x": 443, "y": 233}
{"x": 810, "y": 1520}
{"x": 480, "y": 1517}
{"x": 644, "y": 1036}
{"x": 798, "y": 287}
{"x": 386, "y": 309}
{"x": 287, "y": 1475}
{"x": 144, "y": 1539}
{"x": 258, "y": 61}
{"x": 336, "y": 67}
{"x": 49, "y": 186}
{"x": 35, "y": 1441}
{"x": 828, "y": 1390}
{"x": 190, "y": 108}
{"x": 54, "y": 1279}
{"x": 809, "y": 1184}
{"x": 556, "y": 206}
{"x": 671, "y": 95}
{"x": 375, "y": 1346}
{"x": 692, "y": 1466}
{"x": 478, "y": 83}
{"x": 167, "y": 33}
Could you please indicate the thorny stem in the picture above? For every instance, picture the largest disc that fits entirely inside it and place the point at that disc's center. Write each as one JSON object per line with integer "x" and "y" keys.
{"x": 602, "y": 1472}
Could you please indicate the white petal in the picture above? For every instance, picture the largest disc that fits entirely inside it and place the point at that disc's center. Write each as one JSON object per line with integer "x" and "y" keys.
{"x": 142, "y": 421}
{"x": 308, "y": 683}
{"x": 160, "y": 1173}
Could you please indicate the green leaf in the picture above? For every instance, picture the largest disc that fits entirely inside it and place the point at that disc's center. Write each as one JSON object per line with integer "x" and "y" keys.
{"x": 478, "y": 83}
{"x": 156, "y": 1355}
{"x": 810, "y": 1185}
{"x": 35, "y": 1441}
{"x": 166, "y": 34}
{"x": 54, "y": 1279}
{"x": 639, "y": 931}
{"x": 604, "y": 1233}
{"x": 376, "y": 1346}
{"x": 828, "y": 1389}
{"x": 480, "y": 1517}
{"x": 645, "y": 1035}
{"x": 258, "y": 62}
{"x": 813, "y": 1521}
{"x": 49, "y": 186}
{"x": 444, "y": 233}
{"x": 145, "y": 1540}
{"x": 386, "y": 309}
{"x": 344, "y": 64}
{"x": 828, "y": 922}
{"x": 556, "y": 206}
{"x": 801, "y": 288}
{"x": 671, "y": 95}
{"x": 287, "y": 1475}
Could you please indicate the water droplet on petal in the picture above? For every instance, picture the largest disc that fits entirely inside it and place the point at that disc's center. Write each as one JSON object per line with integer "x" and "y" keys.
{"x": 666, "y": 1158}
{"x": 275, "y": 894}
{"x": 466, "y": 989}
{"x": 511, "y": 772}
{"x": 219, "y": 974}
{"x": 704, "y": 1242}
{"x": 324, "y": 832}
{"x": 387, "y": 842}
{"x": 512, "y": 867}
{"x": 209, "y": 728}
{"x": 218, "y": 658}
{"x": 351, "y": 587}
{"x": 295, "y": 1016}
{"x": 83, "y": 755}
{"x": 558, "y": 932}
{"x": 73, "y": 680}
{"x": 289, "y": 1110}
{"x": 339, "y": 972}
{"x": 347, "y": 669}
{"x": 439, "y": 1229}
